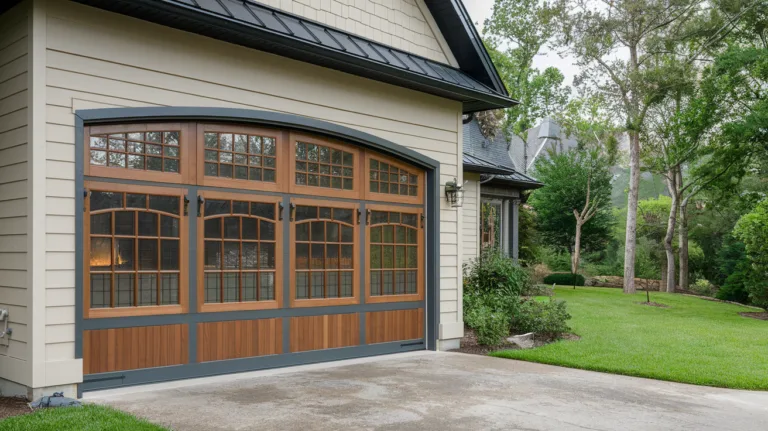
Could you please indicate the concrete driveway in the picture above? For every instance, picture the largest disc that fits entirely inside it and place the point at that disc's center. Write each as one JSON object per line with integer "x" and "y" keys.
{"x": 439, "y": 391}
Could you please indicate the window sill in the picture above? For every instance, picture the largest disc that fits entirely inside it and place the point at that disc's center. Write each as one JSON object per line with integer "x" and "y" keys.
{"x": 100, "y": 313}
{"x": 393, "y": 298}
{"x": 301, "y": 303}
{"x": 238, "y": 306}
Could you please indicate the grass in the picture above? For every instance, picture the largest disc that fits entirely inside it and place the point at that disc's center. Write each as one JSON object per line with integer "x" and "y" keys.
{"x": 693, "y": 341}
{"x": 87, "y": 418}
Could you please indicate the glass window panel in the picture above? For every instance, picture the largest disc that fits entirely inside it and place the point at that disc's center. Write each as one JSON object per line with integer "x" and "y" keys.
{"x": 375, "y": 234}
{"x": 153, "y": 150}
{"x": 250, "y": 228}
{"x": 154, "y": 163}
{"x": 105, "y": 200}
{"x": 302, "y": 232}
{"x": 153, "y": 136}
{"x": 97, "y": 142}
{"x": 254, "y": 145}
{"x": 211, "y": 169}
{"x": 346, "y": 257}
{"x": 239, "y": 207}
{"x": 302, "y": 256}
{"x": 333, "y": 284}
{"x": 410, "y": 220}
{"x": 169, "y": 254}
{"x": 346, "y": 284}
{"x": 375, "y": 256}
{"x": 387, "y": 234}
{"x": 169, "y": 226}
{"x": 325, "y": 169}
{"x": 317, "y": 256}
{"x": 399, "y": 282}
{"x": 255, "y": 174}
{"x": 400, "y": 234}
{"x": 231, "y": 255}
{"x": 394, "y": 217}
{"x": 147, "y": 224}
{"x": 213, "y": 228}
{"x": 374, "y": 186}
{"x": 325, "y": 182}
{"x": 269, "y": 146}
{"x": 336, "y": 156}
{"x": 263, "y": 210}
{"x": 336, "y": 183}
{"x": 169, "y": 204}
{"x": 136, "y": 147}
{"x": 267, "y": 286}
{"x": 225, "y": 157}
{"x": 305, "y": 212}
{"x": 250, "y": 255}
{"x": 267, "y": 255}
{"x": 413, "y": 191}
{"x": 101, "y": 254}
{"x": 225, "y": 142}
{"x": 413, "y": 257}
{"x": 99, "y": 158}
{"x": 302, "y": 285}
{"x": 347, "y": 233}
{"x": 117, "y": 144}
{"x": 313, "y": 180}
{"x": 318, "y": 231}
{"x": 101, "y": 290}
{"x": 325, "y": 213}
{"x": 379, "y": 217}
{"x": 413, "y": 236}
{"x": 347, "y": 172}
{"x": 375, "y": 283}
{"x": 216, "y": 207}
{"x": 347, "y": 160}
{"x": 301, "y": 151}
{"x": 148, "y": 254}
{"x": 318, "y": 284}
{"x": 266, "y": 230}
{"x": 374, "y": 164}
{"x": 388, "y": 259}
{"x": 225, "y": 171}
{"x": 411, "y": 286}
{"x": 171, "y": 138}
{"x": 231, "y": 287}
{"x": 241, "y": 143}
{"x": 343, "y": 215}
{"x": 388, "y": 287}
{"x": 255, "y": 161}
{"x": 171, "y": 165}
{"x": 135, "y": 200}
{"x": 249, "y": 286}
{"x": 269, "y": 175}
{"x": 348, "y": 184}
{"x": 135, "y": 162}
{"x": 336, "y": 172}
{"x": 212, "y": 288}
{"x": 124, "y": 290}
{"x": 241, "y": 173}
{"x": 325, "y": 155}
{"x": 211, "y": 156}
{"x": 101, "y": 224}
{"x": 301, "y": 166}
{"x": 393, "y": 189}
{"x": 400, "y": 256}
{"x": 332, "y": 232}
{"x": 332, "y": 256}
{"x": 147, "y": 289}
{"x": 384, "y": 167}
{"x": 169, "y": 289}
{"x": 171, "y": 151}
{"x": 212, "y": 257}
{"x": 124, "y": 254}
{"x": 211, "y": 140}
{"x": 232, "y": 227}
{"x": 312, "y": 152}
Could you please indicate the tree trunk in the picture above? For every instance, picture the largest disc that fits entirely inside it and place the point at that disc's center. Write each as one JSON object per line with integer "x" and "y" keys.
{"x": 631, "y": 236}
{"x": 683, "y": 245}
{"x": 576, "y": 256}
{"x": 664, "y": 276}
{"x": 671, "y": 221}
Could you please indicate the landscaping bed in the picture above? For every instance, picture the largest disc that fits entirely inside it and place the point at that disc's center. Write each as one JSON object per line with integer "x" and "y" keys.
{"x": 13, "y": 406}
{"x": 759, "y": 315}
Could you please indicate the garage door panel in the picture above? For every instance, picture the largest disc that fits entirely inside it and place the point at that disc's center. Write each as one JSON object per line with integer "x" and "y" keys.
{"x": 394, "y": 325}
{"x": 120, "y": 349}
{"x": 329, "y": 331}
{"x": 217, "y": 341}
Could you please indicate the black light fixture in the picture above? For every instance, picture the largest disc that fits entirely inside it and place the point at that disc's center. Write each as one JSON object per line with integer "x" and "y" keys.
{"x": 454, "y": 194}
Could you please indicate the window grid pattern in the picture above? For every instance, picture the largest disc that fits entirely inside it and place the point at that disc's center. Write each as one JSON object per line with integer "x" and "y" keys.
{"x": 324, "y": 256}
{"x": 134, "y": 249}
{"x": 387, "y": 178}
{"x": 240, "y": 156}
{"x": 239, "y": 251}
{"x": 394, "y": 253}
{"x": 321, "y": 166}
{"x": 150, "y": 151}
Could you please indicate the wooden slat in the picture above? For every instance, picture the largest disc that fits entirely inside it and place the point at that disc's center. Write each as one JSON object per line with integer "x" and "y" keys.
{"x": 395, "y": 325}
{"x": 106, "y": 350}
{"x": 324, "y": 332}
{"x": 217, "y": 341}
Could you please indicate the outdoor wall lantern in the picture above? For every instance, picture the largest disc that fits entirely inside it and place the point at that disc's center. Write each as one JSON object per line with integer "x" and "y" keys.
{"x": 454, "y": 194}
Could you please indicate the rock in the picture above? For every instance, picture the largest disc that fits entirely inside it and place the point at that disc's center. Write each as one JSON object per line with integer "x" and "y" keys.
{"x": 524, "y": 341}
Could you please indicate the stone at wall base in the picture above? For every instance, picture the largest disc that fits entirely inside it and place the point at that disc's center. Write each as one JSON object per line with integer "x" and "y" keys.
{"x": 524, "y": 341}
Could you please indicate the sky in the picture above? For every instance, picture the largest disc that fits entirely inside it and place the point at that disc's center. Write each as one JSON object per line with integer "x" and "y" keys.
{"x": 480, "y": 10}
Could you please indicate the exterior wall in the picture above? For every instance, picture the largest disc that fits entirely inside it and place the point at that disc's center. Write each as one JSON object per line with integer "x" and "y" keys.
{"x": 96, "y": 59}
{"x": 403, "y": 24}
{"x": 470, "y": 229}
{"x": 14, "y": 175}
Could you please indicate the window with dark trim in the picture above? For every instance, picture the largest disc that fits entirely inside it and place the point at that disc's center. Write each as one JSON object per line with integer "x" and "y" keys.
{"x": 150, "y": 151}
{"x": 393, "y": 253}
{"x": 387, "y": 178}
{"x": 240, "y": 156}
{"x": 321, "y": 166}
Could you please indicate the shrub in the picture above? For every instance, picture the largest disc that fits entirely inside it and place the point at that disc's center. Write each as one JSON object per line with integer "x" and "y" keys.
{"x": 494, "y": 272}
{"x": 702, "y": 287}
{"x": 564, "y": 279}
{"x": 490, "y": 326}
{"x": 734, "y": 288}
{"x": 546, "y": 318}
{"x": 752, "y": 230}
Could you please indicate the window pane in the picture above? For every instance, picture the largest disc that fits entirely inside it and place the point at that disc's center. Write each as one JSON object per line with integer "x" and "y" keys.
{"x": 387, "y": 233}
{"x": 169, "y": 226}
{"x": 241, "y": 143}
{"x": 98, "y": 142}
{"x": 171, "y": 138}
{"x": 394, "y": 217}
{"x": 305, "y": 212}
{"x": 106, "y": 200}
{"x": 411, "y": 286}
{"x": 211, "y": 140}
{"x": 269, "y": 146}
{"x": 379, "y": 217}
{"x": 254, "y": 145}
{"x": 147, "y": 224}
{"x": 169, "y": 289}
{"x": 232, "y": 227}
{"x": 375, "y": 256}
{"x": 413, "y": 257}
{"x": 231, "y": 287}
{"x": 101, "y": 224}
{"x": 99, "y": 158}
{"x": 171, "y": 165}
{"x": 225, "y": 171}
{"x": 211, "y": 169}
{"x": 266, "y": 231}
{"x": 250, "y": 228}
{"x": 375, "y": 234}
{"x": 332, "y": 232}
{"x": 376, "y": 283}
{"x": 148, "y": 254}
{"x": 333, "y": 284}
{"x": 302, "y": 256}
{"x": 225, "y": 142}
{"x": 135, "y": 200}
{"x": 343, "y": 215}
{"x": 413, "y": 236}
{"x": 302, "y": 232}
{"x": 124, "y": 254}
{"x": 388, "y": 259}
{"x": 388, "y": 283}
{"x": 101, "y": 254}
{"x": 212, "y": 288}
{"x": 249, "y": 286}
{"x": 267, "y": 286}
{"x": 318, "y": 231}
{"x": 399, "y": 282}
{"x": 168, "y": 204}
{"x": 318, "y": 284}
{"x": 169, "y": 253}
{"x": 147, "y": 289}
{"x": 241, "y": 173}
{"x": 231, "y": 255}
{"x": 240, "y": 207}
{"x": 267, "y": 255}
{"x": 302, "y": 285}
{"x": 250, "y": 255}
{"x": 325, "y": 212}
{"x": 124, "y": 290}
{"x": 347, "y": 233}
{"x": 213, "y": 228}
{"x": 135, "y": 162}
{"x": 346, "y": 257}
{"x": 117, "y": 159}
{"x": 331, "y": 256}
{"x": 346, "y": 284}
{"x": 101, "y": 296}
{"x": 263, "y": 210}
{"x": 216, "y": 207}
{"x": 410, "y": 220}
{"x": 400, "y": 234}
{"x": 317, "y": 256}
{"x": 212, "y": 258}
{"x": 400, "y": 256}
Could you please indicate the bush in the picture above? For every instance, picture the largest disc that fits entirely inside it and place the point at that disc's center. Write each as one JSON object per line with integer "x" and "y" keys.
{"x": 493, "y": 272}
{"x": 734, "y": 288}
{"x": 543, "y": 318}
{"x": 752, "y": 230}
{"x": 554, "y": 259}
{"x": 490, "y": 326}
{"x": 564, "y": 279}
{"x": 702, "y": 287}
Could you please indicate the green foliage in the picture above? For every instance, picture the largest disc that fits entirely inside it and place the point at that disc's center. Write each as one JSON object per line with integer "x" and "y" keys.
{"x": 548, "y": 318}
{"x": 89, "y": 417}
{"x": 493, "y": 272}
{"x": 564, "y": 279}
{"x": 556, "y": 260}
{"x": 566, "y": 176}
{"x": 702, "y": 287}
{"x": 735, "y": 287}
{"x": 752, "y": 230}
{"x": 490, "y": 326}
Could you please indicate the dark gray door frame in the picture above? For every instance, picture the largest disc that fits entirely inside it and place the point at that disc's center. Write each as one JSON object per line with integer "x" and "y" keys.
{"x": 263, "y": 118}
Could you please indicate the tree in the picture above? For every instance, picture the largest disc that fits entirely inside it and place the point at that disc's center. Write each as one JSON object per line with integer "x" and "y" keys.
{"x": 752, "y": 230}
{"x": 516, "y": 32}
{"x": 577, "y": 191}
{"x": 632, "y": 52}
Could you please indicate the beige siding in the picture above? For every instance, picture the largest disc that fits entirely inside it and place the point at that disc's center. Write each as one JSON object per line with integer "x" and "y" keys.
{"x": 470, "y": 226}
{"x": 403, "y": 24}
{"x": 96, "y": 59}
{"x": 14, "y": 100}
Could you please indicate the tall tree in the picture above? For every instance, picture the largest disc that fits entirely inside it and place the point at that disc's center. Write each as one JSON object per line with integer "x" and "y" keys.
{"x": 633, "y": 53}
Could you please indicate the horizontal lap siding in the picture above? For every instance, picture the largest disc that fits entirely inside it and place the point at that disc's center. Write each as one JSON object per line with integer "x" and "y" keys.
{"x": 96, "y": 59}
{"x": 470, "y": 229}
{"x": 14, "y": 96}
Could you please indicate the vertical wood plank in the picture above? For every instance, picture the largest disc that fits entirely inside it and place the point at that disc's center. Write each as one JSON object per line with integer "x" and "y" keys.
{"x": 107, "y": 350}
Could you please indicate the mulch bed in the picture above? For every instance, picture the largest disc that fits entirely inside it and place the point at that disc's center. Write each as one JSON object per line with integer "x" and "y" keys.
{"x": 759, "y": 315}
{"x": 653, "y": 304}
{"x": 13, "y": 406}
{"x": 469, "y": 343}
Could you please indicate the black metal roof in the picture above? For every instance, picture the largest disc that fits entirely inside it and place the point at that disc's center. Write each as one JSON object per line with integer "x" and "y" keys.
{"x": 518, "y": 179}
{"x": 260, "y": 27}
{"x": 476, "y": 164}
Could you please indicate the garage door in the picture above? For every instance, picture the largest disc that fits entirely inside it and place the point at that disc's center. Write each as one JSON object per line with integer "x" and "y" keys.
{"x": 218, "y": 248}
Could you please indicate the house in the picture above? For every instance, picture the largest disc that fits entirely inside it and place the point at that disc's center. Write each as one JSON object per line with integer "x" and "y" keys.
{"x": 493, "y": 188}
{"x": 199, "y": 187}
{"x": 547, "y": 136}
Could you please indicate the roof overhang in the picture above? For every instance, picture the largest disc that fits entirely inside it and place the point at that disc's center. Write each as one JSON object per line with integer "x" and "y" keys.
{"x": 471, "y": 163}
{"x": 267, "y": 29}
{"x": 7, "y": 5}
{"x": 516, "y": 180}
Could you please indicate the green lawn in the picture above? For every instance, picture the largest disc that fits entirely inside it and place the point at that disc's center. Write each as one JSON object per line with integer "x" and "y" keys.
{"x": 87, "y": 418}
{"x": 693, "y": 341}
